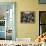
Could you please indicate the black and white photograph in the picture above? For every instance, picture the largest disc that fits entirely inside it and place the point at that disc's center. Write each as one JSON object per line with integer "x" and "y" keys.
{"x": 27, "y": 17}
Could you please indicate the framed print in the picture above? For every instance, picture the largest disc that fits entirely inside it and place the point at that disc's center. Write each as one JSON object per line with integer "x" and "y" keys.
{"x": 42, "y": 1}
{"x": 27, "y": 17}
{"x": 7, "y": 20}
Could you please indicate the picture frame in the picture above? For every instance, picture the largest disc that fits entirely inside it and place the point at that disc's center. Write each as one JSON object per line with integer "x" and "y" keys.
{"x": 27, "y": 17}
{"x": 42, "y": 1}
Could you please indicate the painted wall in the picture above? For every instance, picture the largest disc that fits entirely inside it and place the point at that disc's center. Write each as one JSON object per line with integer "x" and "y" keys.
{"x": 27, "y": 30}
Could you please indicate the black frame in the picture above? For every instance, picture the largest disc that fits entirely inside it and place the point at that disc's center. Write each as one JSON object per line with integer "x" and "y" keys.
{"x": 26, "y": 17}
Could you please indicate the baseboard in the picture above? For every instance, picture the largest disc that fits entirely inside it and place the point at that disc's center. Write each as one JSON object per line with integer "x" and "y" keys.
{"x": 24, "y": 39}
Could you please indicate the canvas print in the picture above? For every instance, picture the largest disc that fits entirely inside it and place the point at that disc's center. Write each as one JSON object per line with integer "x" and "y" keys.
{"x": 27, "y": 17}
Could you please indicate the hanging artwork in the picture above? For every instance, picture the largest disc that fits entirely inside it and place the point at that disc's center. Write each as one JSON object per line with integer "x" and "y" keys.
{"x": 27, "y": 17}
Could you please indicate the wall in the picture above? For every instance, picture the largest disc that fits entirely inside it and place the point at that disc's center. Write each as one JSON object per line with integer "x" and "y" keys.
{"x": 27, "y": 30}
